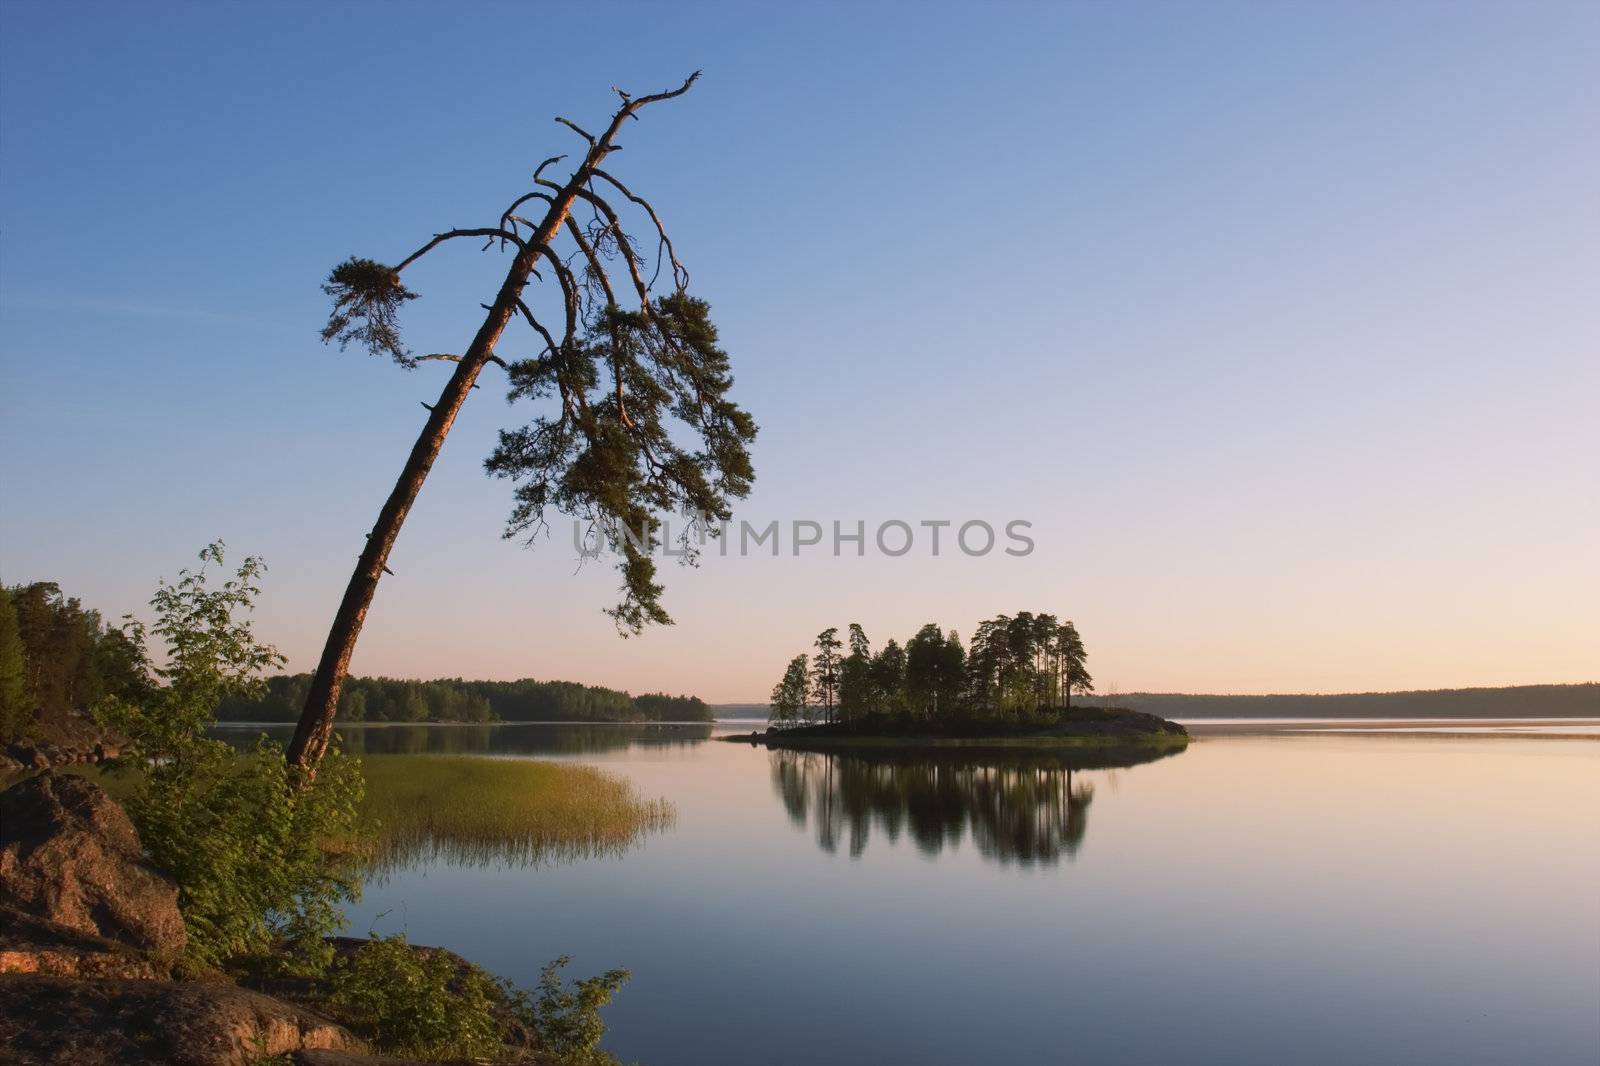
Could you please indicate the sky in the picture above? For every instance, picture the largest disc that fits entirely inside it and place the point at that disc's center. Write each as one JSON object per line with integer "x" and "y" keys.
{"x": 1276, "y": 323}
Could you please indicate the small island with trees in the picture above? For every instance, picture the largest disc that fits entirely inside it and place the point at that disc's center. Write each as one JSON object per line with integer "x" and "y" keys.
{"x": 1013, "y": 686}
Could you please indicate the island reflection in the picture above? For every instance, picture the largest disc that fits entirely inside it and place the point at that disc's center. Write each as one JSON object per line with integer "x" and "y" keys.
{"x": 1024, "y": 807}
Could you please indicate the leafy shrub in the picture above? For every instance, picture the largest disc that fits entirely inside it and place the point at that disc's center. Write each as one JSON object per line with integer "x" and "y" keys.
{"x": 427, "y": 1004}
{"x": 259, "y": 855}
{"x": 568, "y": 1022}
{"x": 417, "y": 1004}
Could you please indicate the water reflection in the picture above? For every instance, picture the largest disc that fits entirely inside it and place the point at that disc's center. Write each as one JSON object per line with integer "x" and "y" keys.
{"x": 511, "y": 738}
{"x": 1025, "y": 808}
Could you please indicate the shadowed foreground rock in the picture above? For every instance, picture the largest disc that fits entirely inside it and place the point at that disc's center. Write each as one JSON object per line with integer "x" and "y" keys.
{"x": 30, "y": 944}
{"x": 70, "y": 857}
{"x": 319, "y": 1057}
{"x": 64, "y": 1021}
{"x": 88, "y": 931}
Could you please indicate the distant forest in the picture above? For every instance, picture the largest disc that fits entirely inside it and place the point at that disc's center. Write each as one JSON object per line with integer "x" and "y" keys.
{"x": 1519, "y": 701}
{"x": 383, "y": 699}
{"x": 1018, "y": 665}
{"x": 59, "y": 658}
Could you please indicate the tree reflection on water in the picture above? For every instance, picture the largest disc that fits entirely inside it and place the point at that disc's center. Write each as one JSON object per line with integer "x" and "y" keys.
{"x": 1025, "y": 808}
{"x": 499, "y": 738}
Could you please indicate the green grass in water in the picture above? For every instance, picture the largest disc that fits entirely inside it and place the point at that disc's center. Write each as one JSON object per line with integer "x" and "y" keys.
{"x": 474, "y": 811}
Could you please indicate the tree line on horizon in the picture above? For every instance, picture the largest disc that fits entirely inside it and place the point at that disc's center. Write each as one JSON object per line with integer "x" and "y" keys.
{"x": 1017, "y": 665}
{"x": 58, "y": 659}
{"x": 387, "y": 699}
{"x": 1576, "y": 700}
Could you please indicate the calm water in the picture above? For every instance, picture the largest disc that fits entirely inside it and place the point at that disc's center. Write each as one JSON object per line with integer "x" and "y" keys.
{"x": 1269, "y": 896}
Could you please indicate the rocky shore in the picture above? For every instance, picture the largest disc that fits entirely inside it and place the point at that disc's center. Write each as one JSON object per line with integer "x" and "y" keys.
{"x": 43, "y": 754}
{"x": 91, "y": 950}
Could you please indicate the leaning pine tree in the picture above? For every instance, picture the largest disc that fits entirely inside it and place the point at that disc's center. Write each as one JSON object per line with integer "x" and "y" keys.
{"x": 638, "y": 419}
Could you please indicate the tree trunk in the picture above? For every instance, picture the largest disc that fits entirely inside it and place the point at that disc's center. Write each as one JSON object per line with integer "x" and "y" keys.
{"x": 315, "y": 730}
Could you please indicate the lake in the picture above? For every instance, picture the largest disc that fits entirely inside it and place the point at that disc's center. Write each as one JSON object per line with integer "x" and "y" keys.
{"x": 1276, "y": 893}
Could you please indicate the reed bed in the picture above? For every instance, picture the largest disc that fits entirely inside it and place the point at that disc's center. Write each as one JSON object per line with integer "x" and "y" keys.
{"x": 472, "y": 811}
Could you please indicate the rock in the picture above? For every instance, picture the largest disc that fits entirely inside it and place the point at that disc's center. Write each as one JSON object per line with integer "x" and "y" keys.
{"x": 63, "y": 1021}
{"x": 104, "y": 752}
{"x": 69, "y": 856}
{"x": 30, "y": 944}
{"x": 320, "y": 1057}
{"x": 29, "y": 756}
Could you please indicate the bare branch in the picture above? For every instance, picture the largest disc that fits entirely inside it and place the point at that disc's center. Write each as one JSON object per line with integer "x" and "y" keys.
{"x": 597, "y": 268}
{"x": 680, "y": 274}
{"x": 569, "y": 293}
{"x": 625, "y": 248}
{"x": 538, "y": 327}
{"x": 540, "y": 168}
{"x": 510, "y": 213}
{"x": 602, "y": 145}
{"x": 579, "y": 130}
{"x": 455, "y": 358}
{"x": 599, "y": 271}
{"x": 634, "y": 105}
{"x": 440, "y": 238}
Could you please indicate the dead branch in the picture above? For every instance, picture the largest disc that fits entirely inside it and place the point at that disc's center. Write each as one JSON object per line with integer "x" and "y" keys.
{"x": 680, "y": 274}
{"x": 455, "y": 358}
{"x": 624, "y": 247}
{"x": 599, "y": 271}
{"x": 537, "y": 326}
{"x": 569, "y": 294}
{"x": 509, "y": 215}
{"x": 579, "y": 130}
{"x": 440, "y": 238}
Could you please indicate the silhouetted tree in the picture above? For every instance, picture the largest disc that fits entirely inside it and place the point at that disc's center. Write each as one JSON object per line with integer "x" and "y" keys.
{"x": 825, "y": 670}
{"x": 933, "y": 672}
{"x": 642, "y": 421}
{"x": 789, "y": 694}
{"x": 1017, "y": 664}
{"x": 988, "y": 663}
{"x": 889, "y": 678}
{"x": 1074, "y": 663}
{"x": 855, "y": 676}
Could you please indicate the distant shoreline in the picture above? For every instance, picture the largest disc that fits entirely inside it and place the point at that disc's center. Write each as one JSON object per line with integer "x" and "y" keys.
{"x": 1506, "y": 703}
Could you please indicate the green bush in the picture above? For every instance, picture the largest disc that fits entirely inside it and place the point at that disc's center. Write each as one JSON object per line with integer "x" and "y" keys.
{"x": 417, "y": 1004}
{"x": 260, "y": 856}
{"x": 568, "y": 1022}
{"x": 258, "y": 860}
{"x": 428, "y": 1005}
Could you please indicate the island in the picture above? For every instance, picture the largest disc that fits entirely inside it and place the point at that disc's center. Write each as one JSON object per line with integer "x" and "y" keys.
{"x": 1074, "y": 727}
{"x": 1012, "y": 687}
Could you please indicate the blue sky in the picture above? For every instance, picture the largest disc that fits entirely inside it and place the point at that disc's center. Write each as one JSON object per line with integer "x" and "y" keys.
{"x": 1277, "y": 321}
